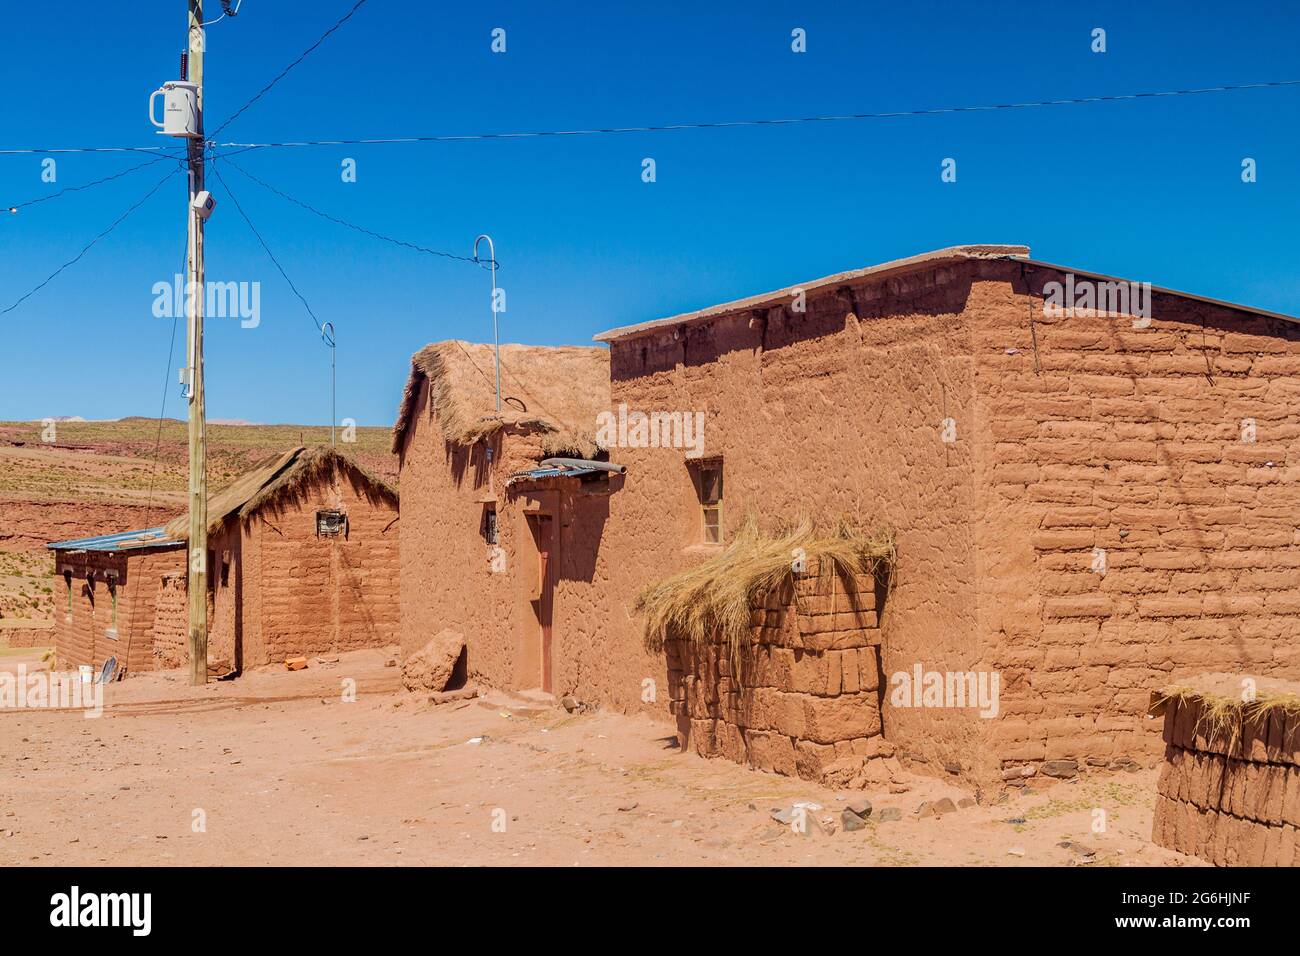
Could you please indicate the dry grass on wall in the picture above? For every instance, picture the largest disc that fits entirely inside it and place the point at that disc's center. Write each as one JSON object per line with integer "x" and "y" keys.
{"x": 717, "y": 596}
{"x": 1223, "y": 715}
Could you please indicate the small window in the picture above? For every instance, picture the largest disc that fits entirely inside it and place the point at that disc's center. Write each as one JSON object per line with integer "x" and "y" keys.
{"x": 67, "y": 580}
{"x": 708, "y": 485}
{"x": 225, "y": 569}
{"x": 111, "y": 630}
{"x": 331, "y": 523}
{"x": 490, "y": 524}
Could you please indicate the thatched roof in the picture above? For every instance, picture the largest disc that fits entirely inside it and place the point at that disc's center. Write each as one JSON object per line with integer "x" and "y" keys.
{"x": 555, "y": 391}
{"x": 277, "y": 479}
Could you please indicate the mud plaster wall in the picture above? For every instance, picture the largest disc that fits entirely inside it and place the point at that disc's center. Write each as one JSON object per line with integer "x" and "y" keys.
{"x": 803, "y": 692}
{"x": 446, "y": 575}
{"x": 825, "y": 414}
{"x": 1129, "y": 440}
{"x": 1231, "y": 798}
{"x": 447, "y": 579}
{"x": 82, "y": 637}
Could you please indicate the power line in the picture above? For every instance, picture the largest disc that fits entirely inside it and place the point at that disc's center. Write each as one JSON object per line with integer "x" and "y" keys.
{"x": 87, "y": 247}
{"x": 269, "y": 253}
{"x": 846, "y": 117}
{"x": 342, "y": 222}
{"x": 95, "y": 182}
{"x": 25, "y": 150}
{"x": 285, "y": 72}
{"x": 836, "y": 118}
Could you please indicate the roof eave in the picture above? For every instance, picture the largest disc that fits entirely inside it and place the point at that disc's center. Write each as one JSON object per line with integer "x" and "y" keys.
{"x": 924, "y": 260}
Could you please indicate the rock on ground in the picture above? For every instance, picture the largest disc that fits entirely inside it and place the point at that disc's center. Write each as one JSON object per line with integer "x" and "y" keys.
{"x": 431, "y": 666}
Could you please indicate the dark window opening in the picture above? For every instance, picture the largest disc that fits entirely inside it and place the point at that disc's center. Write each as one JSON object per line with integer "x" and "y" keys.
{"x": 331, "y": 523}
{"x": 708, "y": 488}
{"x": 490, "y": 524}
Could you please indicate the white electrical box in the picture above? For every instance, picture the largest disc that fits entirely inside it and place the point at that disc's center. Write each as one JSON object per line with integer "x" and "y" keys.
{"x": 180, "y": 109}
{"x": 204, "y": 204}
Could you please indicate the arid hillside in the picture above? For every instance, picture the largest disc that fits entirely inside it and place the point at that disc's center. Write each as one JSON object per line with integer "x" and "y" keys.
{"x": 101, "y": 477}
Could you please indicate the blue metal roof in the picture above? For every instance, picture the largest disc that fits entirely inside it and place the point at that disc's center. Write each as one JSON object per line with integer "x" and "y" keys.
{"x": 122, "y": 541}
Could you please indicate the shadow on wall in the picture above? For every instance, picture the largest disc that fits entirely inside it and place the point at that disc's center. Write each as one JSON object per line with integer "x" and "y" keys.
{"x": 776, "y": 326}
{"x": 472, "y": 459}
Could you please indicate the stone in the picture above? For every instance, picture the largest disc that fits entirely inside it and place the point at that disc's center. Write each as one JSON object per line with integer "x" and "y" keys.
{"x": 860, "y": 806}
{"x": 1061, "y": 769}
{"x": 843, "y": 774}
{"x": 1016, "y": 851}
{"x": 944, "y": 805}
{"x": 926, "y": 809}
{"x": 952, "y": 767}
{"x": 851, "y": 822}
{"x": 890, "y": 814}
{"x": 571, "y": 703}
{"x": 430, "y": 667}
{"x": 1083, "y": 853}
{"x": 965, "y": 803}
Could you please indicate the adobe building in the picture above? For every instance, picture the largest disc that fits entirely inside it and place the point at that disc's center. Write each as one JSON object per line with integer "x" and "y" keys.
{"x": 1094, "y": 488}
{"x": 302, "y": 560}
{"x": 115, "y": 594}
{"x": 494, "y": 545}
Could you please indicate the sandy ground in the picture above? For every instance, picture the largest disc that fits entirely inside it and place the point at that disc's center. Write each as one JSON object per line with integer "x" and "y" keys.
{"x": 276, "y": 768}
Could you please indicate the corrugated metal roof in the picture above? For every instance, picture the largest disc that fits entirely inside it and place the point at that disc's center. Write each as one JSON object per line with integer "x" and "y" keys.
{"x": 539, "y": 473}
{"x": 121, "y": 541}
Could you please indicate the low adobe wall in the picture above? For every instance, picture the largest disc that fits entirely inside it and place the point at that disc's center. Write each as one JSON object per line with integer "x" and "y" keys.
{"x": 26, "y": 633}
{"x": 807, "y": 692}
{"x": 1230, "y": 793}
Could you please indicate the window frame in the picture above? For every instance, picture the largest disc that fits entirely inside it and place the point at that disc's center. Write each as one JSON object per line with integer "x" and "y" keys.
{"x": 706, "y": 487}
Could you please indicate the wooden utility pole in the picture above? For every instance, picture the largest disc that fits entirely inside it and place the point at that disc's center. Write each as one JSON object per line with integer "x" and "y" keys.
{"x": 197, "y": 578}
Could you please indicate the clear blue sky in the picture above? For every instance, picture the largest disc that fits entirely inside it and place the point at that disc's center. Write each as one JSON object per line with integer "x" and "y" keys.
{"x": 1149, "y": 190}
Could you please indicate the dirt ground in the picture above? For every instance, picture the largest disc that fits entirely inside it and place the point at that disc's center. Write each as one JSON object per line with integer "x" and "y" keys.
{"x": 276, "y": 768}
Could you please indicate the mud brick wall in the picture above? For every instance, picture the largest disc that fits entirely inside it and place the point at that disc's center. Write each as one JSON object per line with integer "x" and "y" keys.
{"x": 291, "y": 593}
{"x": 808, "y": 687}
{"x": 1230, "y": 797}
{"x": 1125, "y": 445}
{"x": 82, "y": 636}
{"x": 171, "y": 621}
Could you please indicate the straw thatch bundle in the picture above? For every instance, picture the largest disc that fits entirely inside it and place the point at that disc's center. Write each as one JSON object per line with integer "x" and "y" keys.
{"x": 284, "y": 478}
{"x": 716, "y": 597}
{"x": 555, "y": 392}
